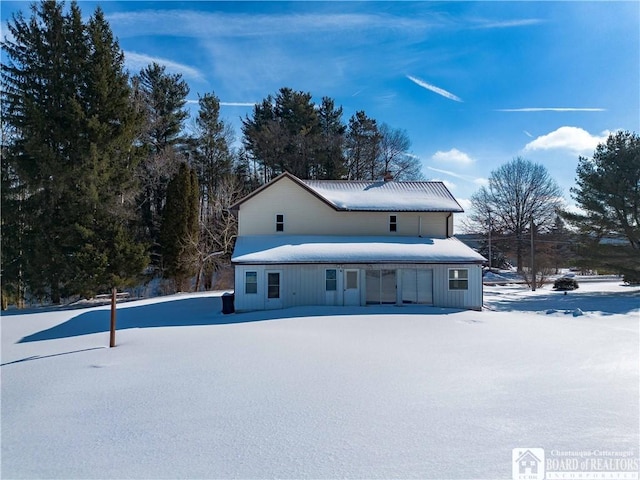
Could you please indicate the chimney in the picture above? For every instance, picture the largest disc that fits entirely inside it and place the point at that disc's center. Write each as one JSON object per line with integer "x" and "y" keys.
{"x": 388, "y": 177}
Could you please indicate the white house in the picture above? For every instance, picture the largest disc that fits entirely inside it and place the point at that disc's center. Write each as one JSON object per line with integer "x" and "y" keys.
{"x": 337, "y": 242}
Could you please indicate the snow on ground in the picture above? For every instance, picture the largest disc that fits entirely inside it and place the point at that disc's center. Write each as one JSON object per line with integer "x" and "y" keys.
{"x": 368, "y": 392}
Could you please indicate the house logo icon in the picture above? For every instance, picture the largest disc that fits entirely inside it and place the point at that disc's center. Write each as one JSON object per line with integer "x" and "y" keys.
{"x": 527, "y": 463}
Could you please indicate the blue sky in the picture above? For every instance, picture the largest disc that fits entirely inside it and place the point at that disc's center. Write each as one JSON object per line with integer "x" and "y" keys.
{"x": 474, "y": 84}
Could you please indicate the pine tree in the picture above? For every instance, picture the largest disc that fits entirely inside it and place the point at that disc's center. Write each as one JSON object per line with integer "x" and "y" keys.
{"x": 285, "y": 134}
{"x": 608, "y": 191}
{"x": 362, "y": 147}
{"x": 211, "y": 155}
{"x": 68, "y": 102}
{"x": 330, "y": 154}
{"x": 161, "y": 98}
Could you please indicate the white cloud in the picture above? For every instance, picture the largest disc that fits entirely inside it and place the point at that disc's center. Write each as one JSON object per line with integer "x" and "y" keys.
{"x": 433, "y": 88}
{"x": 137, "y": 61}
{"x": 511, "y": 23}
{"x": 452, "y": 156}
{"x": 481, "y": 182}
{"x": 237, "y": 104}
{"x": 466, "y": 178}
{"x": 574, "y": 139}
{"x": 205, "y": 25}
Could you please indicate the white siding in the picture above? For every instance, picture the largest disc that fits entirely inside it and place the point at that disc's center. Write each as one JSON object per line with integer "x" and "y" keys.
{"x": 443, "y": 297}
{"x": 305, "y": 214}
{"x": 305, "y": 285}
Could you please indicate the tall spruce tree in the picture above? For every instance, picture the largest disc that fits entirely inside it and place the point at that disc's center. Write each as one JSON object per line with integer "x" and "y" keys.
{"x": 180, "y": 228}
{"x": 68, "y": 102}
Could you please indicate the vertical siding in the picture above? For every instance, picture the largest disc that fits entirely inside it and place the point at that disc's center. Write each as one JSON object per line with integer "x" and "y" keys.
{"x": 305, "y": 285}
{"x": 255, "y": 301}
{"x": 443, "y": 297}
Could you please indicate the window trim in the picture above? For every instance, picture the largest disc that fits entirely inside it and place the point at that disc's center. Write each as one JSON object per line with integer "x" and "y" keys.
{"x": 270, "y": 285}
{"x": 279, "y": 222}
{"x": 393, "y": 223}
{"x": 459, "y": 283}
{"x": 247, "y": 283}
{"x": 334, "y": 280}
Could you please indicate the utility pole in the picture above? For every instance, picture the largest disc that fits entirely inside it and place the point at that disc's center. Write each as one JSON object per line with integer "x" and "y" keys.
{"x": 112, "y": 334}
{"x": 490, "y": 255}
{"x": 533, "y": 264}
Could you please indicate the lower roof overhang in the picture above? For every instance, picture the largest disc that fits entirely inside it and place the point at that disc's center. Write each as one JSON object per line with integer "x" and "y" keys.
{"x": 301, "y": 249}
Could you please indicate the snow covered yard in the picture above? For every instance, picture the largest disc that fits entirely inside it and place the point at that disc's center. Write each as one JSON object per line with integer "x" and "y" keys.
{"x": 375, "y": 392}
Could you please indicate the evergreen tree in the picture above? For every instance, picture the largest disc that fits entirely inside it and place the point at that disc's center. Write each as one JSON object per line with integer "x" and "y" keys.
{"x": 211, "y": 156}
{"x": 161, "y": 97}
{"x": 330, "y": 155}
{"x": 68, "y": 101}
{"x": 180, "y": 228}
{"x": 608, "y": 191}
{"x": 362, "y": 148}
{"x": 285, "y": 134}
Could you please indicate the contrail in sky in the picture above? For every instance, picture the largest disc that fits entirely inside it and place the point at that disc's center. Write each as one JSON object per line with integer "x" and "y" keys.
{"x": 433, "y": 88}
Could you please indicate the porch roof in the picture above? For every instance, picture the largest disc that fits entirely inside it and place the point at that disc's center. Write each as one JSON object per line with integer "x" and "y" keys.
{"x": 291, "y": 249}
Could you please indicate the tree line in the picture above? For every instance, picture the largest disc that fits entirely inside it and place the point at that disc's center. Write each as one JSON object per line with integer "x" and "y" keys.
{"x": 522, "y": 211}
{"x": 105, "y": 176}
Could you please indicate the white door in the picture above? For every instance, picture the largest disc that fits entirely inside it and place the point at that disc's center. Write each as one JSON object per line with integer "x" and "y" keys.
{"x": 417, "y": 286}
{"x": 331, "y": 282}
{"x": 351, "y": 287}
{"x": 381, "y": 287}
{"x": 274, "y": 289}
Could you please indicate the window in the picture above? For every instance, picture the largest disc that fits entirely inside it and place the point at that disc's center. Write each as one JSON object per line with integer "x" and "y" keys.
{"x": 458, "y": 279}
{"x": 352, "y": 279}
{"x": 273, "y": 285}
{"x": 331, "y": 280}
{"x": 279, "y": 222}
{"x": 251, "y": 282}
{"x": 393, "y": 223}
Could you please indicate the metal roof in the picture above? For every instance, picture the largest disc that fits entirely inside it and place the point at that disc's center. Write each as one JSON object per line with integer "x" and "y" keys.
{"x": 385, "y": 196}
{"x": 390, "y": 196}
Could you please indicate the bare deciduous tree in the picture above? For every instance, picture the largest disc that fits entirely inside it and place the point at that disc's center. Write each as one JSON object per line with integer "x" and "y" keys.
{"x": 519, "y": 193}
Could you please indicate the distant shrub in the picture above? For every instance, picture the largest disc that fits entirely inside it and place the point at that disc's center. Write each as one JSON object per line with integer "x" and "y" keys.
{"x": 631, "y": 278}
{"x": 565, "y": 283}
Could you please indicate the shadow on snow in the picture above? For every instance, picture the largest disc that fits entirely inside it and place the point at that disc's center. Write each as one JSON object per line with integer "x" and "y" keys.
{"x": 204, "y": 311}
{"x": 606, "y": 302}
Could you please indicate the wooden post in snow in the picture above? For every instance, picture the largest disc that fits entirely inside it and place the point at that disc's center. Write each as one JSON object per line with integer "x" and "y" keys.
{"x": 112, "y": 335}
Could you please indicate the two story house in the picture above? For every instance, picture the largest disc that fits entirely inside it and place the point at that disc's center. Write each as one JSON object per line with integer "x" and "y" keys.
{"x": 337, "y": 242}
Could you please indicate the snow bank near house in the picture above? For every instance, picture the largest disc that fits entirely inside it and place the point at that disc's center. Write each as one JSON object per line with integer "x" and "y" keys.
{"x": 375, "y": 392}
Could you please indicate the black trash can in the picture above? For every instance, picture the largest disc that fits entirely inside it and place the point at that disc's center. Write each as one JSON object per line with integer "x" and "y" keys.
{"x": 227, "y": 303}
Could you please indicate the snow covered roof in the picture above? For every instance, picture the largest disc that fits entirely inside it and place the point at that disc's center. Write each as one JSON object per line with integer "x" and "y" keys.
{"x": 262, "y": 249}
{"x": 350, "y": 195}
{"x": 386, "y": 196}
